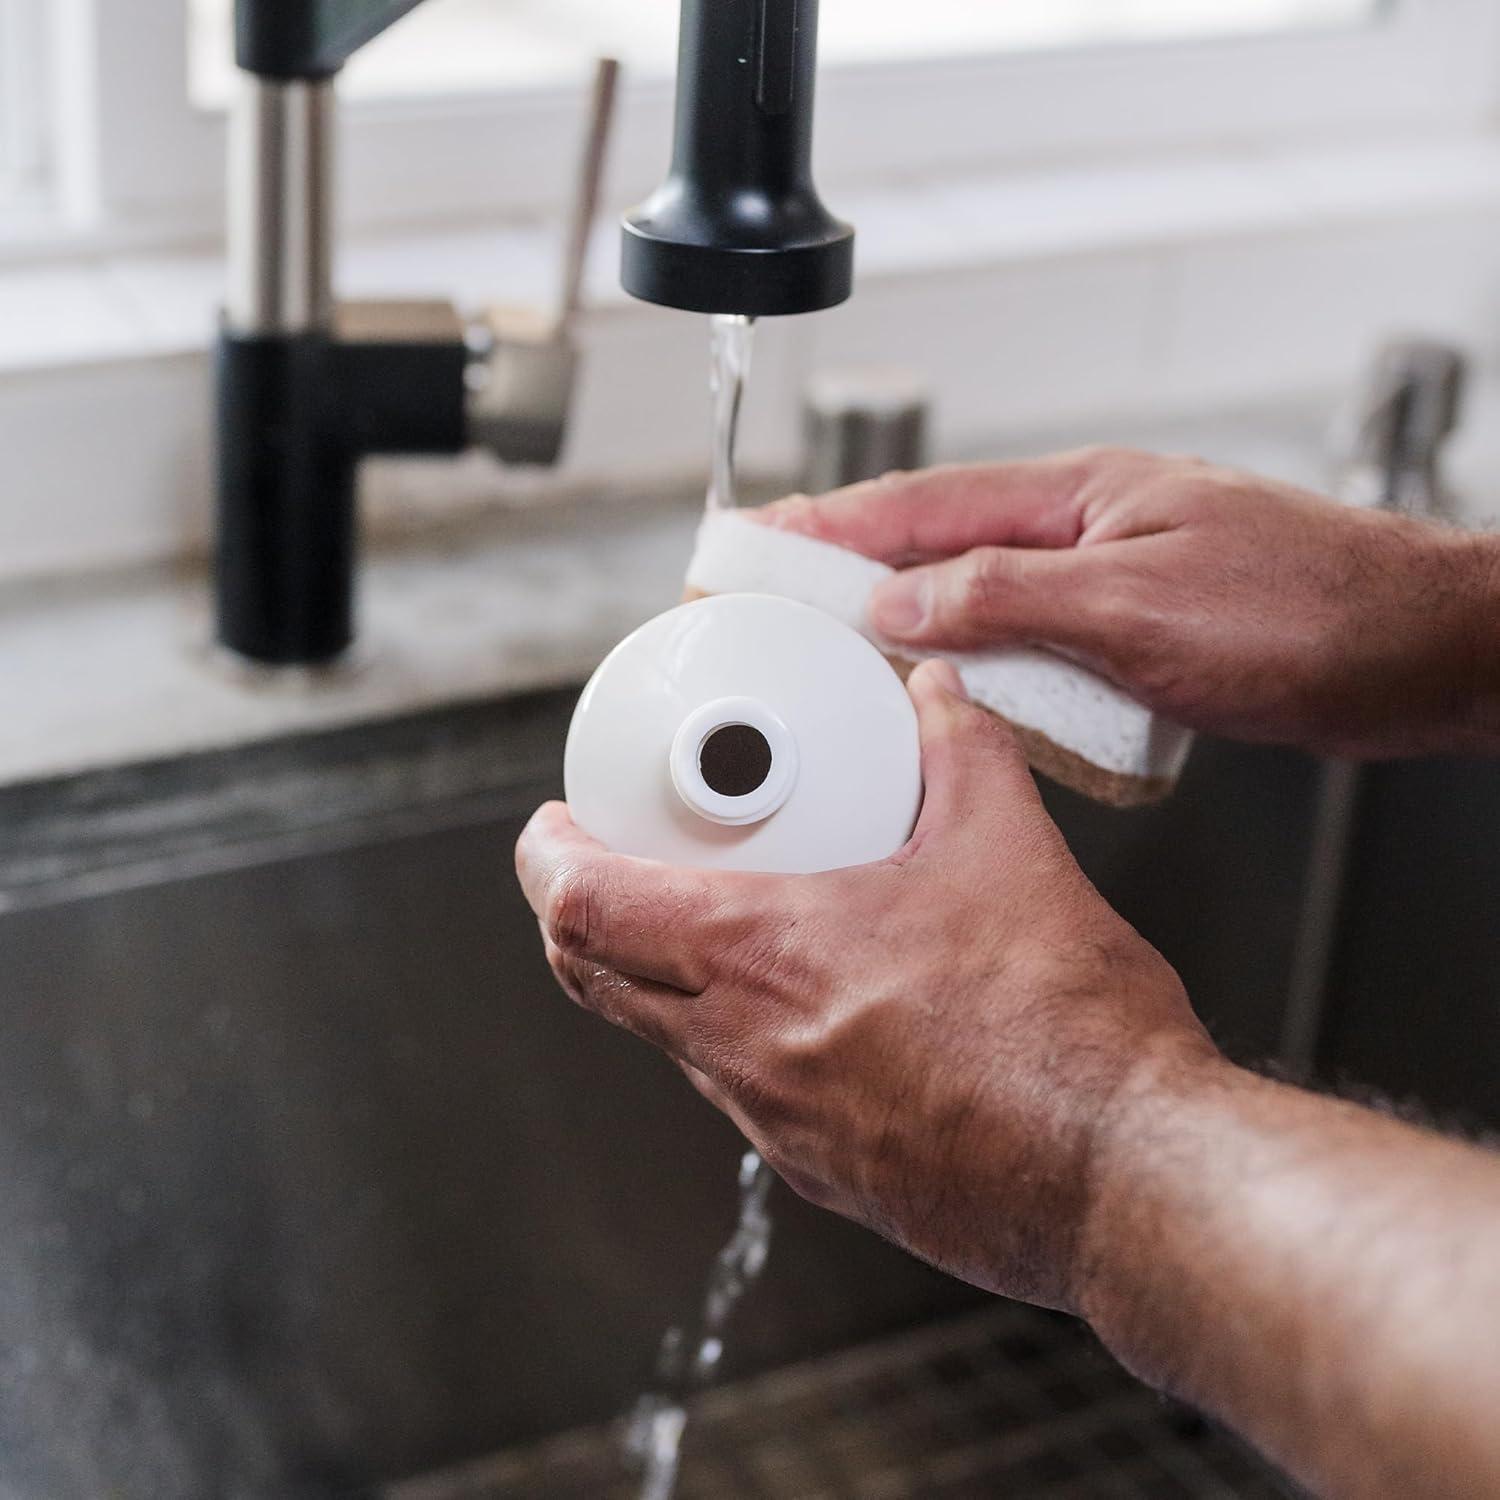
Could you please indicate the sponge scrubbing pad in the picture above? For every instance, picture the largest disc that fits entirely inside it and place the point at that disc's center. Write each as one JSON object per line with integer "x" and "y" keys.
{"x": 1074, "y": 726}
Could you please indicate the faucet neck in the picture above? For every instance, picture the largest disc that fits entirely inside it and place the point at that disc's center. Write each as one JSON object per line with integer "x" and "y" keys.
{"x": 308, "y": 39}
{"x": 745, "y": 72}
{"x": 280, "y": 199}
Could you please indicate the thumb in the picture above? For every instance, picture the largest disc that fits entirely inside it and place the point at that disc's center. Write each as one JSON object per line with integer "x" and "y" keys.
{"x": 993, "y": 596}
{"x": 973, "y": 769}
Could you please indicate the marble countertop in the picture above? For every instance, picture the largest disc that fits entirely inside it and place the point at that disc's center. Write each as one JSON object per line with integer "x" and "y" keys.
{"x": 97, "y": 673}
{"x": 102, "y": 672}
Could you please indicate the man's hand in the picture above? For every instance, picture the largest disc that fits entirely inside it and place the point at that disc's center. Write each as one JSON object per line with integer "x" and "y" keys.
{"x": 1229, "y": 603}
{"x": 964, "y": 1048}
{"x": 931, "y": 1045}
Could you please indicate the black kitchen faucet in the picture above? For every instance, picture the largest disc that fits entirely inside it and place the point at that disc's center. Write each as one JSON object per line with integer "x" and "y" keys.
{"x": 308, "y": 386}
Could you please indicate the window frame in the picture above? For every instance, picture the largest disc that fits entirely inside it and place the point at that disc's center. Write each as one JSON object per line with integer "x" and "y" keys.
{"x": 134, "y": 158}
{"x": 23, "y": 94}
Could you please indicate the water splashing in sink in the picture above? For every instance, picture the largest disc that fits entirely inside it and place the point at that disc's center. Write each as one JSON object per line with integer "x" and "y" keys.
{"x": 655, "y": 1429}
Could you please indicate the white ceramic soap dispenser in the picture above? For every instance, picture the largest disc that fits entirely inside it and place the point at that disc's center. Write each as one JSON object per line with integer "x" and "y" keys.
{"x": 745, "y": 732}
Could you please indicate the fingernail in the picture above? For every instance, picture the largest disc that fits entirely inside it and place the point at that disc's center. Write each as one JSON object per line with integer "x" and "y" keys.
{"x": 947, "y": 676}
{"x": 899, "y": 606}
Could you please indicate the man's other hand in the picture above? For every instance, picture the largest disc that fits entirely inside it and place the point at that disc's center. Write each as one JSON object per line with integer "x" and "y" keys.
{"x": 1232, "y": 604}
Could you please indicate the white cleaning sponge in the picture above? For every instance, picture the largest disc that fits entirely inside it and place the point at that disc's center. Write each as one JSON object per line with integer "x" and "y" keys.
{"x": 1075, "y": 727}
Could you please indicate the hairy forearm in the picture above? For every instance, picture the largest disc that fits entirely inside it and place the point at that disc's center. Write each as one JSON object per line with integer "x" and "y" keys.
{"x": 1418, "y": 674}
{"x": 1324, "y": 1279}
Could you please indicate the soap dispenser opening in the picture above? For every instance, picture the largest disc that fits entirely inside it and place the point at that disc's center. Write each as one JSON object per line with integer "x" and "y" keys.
{"x": 734, "y": 761}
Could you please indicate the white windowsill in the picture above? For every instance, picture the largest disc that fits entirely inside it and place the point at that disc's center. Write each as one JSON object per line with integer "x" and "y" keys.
{"x": 122, "y": 672}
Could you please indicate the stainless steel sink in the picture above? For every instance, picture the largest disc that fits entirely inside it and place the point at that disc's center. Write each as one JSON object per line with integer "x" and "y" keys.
{"x": 313, "y": 1181}
{"x": 312, "y": 1178}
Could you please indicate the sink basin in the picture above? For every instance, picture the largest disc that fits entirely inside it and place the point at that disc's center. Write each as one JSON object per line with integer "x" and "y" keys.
{"x": 312, "y": 1176}
{"x": 313, "y": 1180}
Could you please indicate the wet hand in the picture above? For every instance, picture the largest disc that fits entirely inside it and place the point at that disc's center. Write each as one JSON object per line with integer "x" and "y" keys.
{"x": 931, "y": 1045}
{"x": 1230, "y": 603}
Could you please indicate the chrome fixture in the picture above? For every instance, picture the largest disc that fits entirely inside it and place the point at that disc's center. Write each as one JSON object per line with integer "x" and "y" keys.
{"x": 860, "y": 424}
{"x": 1391, "y": 437}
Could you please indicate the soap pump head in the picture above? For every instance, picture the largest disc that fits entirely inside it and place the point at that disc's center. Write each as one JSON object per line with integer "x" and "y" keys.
{"x": 738, "y": 226}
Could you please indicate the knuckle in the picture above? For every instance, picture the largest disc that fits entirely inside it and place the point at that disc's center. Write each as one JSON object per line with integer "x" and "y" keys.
{"x": 1108, "y": 474}
{"x": 766, "y": 1080}
{"x": 1117, "y": 617}
{"x": 797, "y": 512}
{"x": 1155, "y": 660}
{"x": 570, "y": 909}
{"x": 983, "y": 586}
{"x": 801, "y": 1060}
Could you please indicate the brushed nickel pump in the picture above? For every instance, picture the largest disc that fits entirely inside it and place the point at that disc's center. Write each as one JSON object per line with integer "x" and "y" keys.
{"x": 308, "y": 386}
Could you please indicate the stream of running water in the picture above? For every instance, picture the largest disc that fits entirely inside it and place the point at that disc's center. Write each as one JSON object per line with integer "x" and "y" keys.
{"x": 689, "y": 1362}
{"x": 731, "y": 340}
{"x": 655, "y": 1430}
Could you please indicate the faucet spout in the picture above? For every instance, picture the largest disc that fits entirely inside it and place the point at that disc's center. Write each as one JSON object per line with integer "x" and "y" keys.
{"x": 738, "y": 226}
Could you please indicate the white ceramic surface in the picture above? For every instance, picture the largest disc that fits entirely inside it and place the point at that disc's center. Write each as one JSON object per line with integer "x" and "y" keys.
{"x": 844, "y": 784}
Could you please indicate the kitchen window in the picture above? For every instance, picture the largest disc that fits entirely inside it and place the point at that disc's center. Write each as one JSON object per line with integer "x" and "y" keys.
{"x": 22, "y": 130}
{"x": 468, "y": 110}
{"x": 454, "y": 46}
